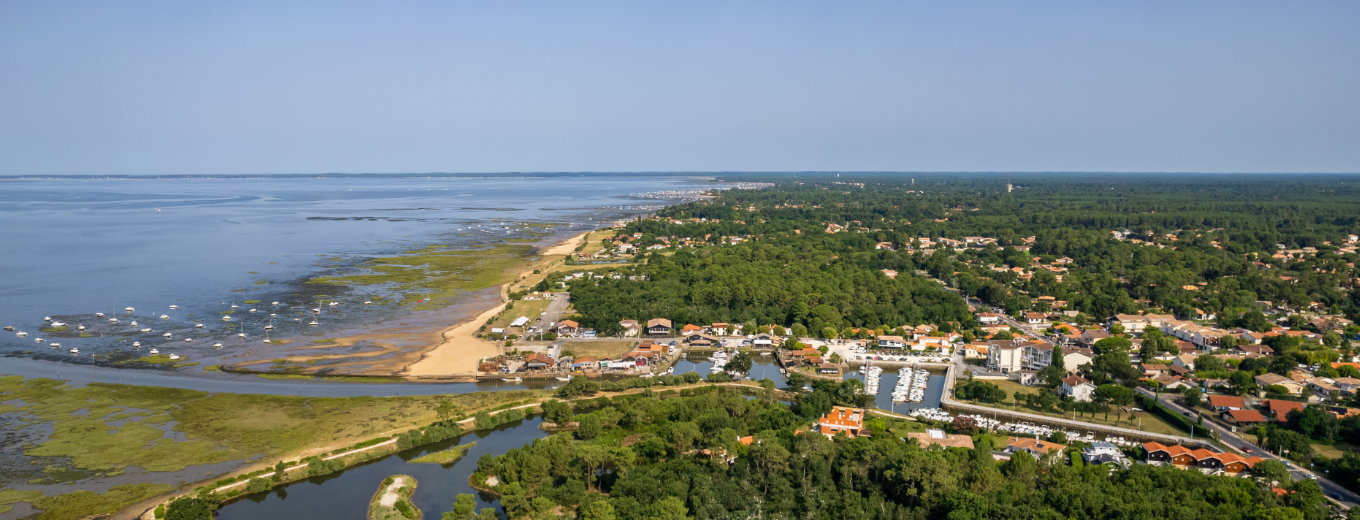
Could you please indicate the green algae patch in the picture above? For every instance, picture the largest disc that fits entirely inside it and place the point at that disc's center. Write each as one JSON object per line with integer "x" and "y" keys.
{"x": 436, "y": 273}
{"x": 285, "y": 376}
{"x": 87, "y": 504}
{"x": 324, "y": 341}
{"x": 9, "y": 497}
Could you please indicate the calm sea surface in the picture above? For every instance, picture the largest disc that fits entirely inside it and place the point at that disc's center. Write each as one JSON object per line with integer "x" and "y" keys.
{"x": 72, "y": 248}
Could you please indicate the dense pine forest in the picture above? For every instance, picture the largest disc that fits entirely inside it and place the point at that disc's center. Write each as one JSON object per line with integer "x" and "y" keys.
{"x": 812, "y": 251}
{"x": 647, "y": 457}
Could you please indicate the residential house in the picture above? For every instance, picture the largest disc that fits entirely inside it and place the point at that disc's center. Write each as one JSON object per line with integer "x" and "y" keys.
{"x": 1253, "y": 350}
{"x": 1078, "y": 388}
{"x": 1035, "y": 447}
{"x": 1037, "y": 355}
{"x": 1074, "y": 357}
{"x": 564, "y": 363}
{"x": 934, "y": 437}
{"x": 1201, "y": 459}
{"x": 988, "y": 318}
{"x": 766, "y": 341}
{"x": 1036, "y": 318}
{"x": 1245, "y": 418}
{"x": 1089, "y": 337}
{"x": 536, "y": 361}
{"x": 891, "y": 342}
{"x": 829, "y": 369}
{"x": 975, "y": 351}
{"x": 1280, "y": 408}
{"x": 1185, "y": 361}
{"x": 1152, "y": 370}
{"x": 719, "y": 329}
{"x": 1100, "y": 452}
{"x": 659, "y": 326}
{"x": 840, "y": 419}
{"x": 568, "y": 327}
{"x": 585, "y": 363}
{"x": 690, "y": 329}
{"x": 630, "y": 328}
{"x": 1268, "y": 380}
{"x": 1005, "y": 356}
{"x": 1223, "y": 403}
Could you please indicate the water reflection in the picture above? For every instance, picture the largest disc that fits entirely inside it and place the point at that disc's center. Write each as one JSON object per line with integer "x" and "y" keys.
{"x": 346, "y": 494}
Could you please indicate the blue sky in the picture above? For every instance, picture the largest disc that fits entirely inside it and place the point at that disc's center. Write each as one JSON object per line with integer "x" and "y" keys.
{"x": 277, "y": 86}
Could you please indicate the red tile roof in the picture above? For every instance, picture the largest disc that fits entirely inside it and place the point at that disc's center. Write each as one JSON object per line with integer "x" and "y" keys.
{"x": 1226, "y": 400}
{"x": 1248, "y": 416}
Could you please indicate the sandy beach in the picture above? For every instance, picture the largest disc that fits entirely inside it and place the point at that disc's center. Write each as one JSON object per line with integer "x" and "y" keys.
{"x": 460, "y": 350}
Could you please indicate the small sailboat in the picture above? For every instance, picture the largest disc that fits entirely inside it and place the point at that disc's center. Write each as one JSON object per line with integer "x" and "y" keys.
{"x": 334, "y": 304}
{"x": 242, "y": 335}
{"x": 235, "y": 306}
{"x": 136, "y": 344}
{"x": 198, "y": 325}
{"x": 251, "y": 310}
{"x": 164, "y": 317}
{"x": 188, "y": 340}
{"x": 166, "y": 334}
{"x": 217, "y": 345}
{"x": 82, "y": 327}
{"x": 37, "y": 340}
{"x": 129, "y": 310}
{"x": 174, "y": 357}
{"x": 47, "y": 318}
{"x": 56, "y": 345}
{"x": 99, "y": 315}
{"x": 75, "y": 350}
{"x": 154, "y": 352}
{"x": 115, "y": 320}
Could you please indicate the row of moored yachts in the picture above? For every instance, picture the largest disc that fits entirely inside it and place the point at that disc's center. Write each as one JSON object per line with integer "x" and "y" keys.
{"x": 911, "y": 385}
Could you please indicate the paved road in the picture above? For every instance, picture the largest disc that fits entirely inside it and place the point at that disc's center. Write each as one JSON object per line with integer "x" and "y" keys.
{"x": 1229, "y": 438}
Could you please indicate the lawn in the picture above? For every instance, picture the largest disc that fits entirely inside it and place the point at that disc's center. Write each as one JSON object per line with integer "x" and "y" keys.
{"x": 1150, "y": 422}
{"x": 528, "y": 308}
{"x": 600, "y": 349}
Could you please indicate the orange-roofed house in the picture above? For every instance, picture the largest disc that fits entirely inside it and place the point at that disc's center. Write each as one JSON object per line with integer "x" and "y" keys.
{"x": 1223, "y": 403}
{"x": 690, "y": 329}
{"x": 840, "y": 419}
{"x": 1245, "y": 417}
{"x": 1175, "y": 455}
{"x": 1034, "y": 447}
{"x": 1281, "y": 408}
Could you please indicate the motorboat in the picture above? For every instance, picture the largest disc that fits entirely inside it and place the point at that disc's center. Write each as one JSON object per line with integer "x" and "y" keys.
{"x": 20, "y": 334}
{"x": 198, "y": 325}
{"x": 129, "y": 310}
{"x": 164, "y": 317}
{"x": 47, "y": 318}
{"x": 166, "y": 334}
{"x": 174, "y": 357}
{"x": 188, "y": 340}
{"x": 217, "y": 345}
{"x": 154, "y": 352}
{"x": 37, "y": 340}
{"x": 58, "y": 324}
{"x": 173, "y": 307}
{"x": 115, "y": 320}
{"x": 511, "y": 379}
{"x": 136, "y": 344}
{"x": 99, "y": 315}
{"x": 226, "y": 318}
{"x": 146, "y": 330}
{"x": 564, "y": 379}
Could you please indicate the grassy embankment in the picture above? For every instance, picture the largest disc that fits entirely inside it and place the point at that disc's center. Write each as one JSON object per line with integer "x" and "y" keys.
{"x": 218, "y": 428}
{"x": 448, "y": 456}
{"x": 528, "y": 308}
{"x": 1150, "y": 422}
